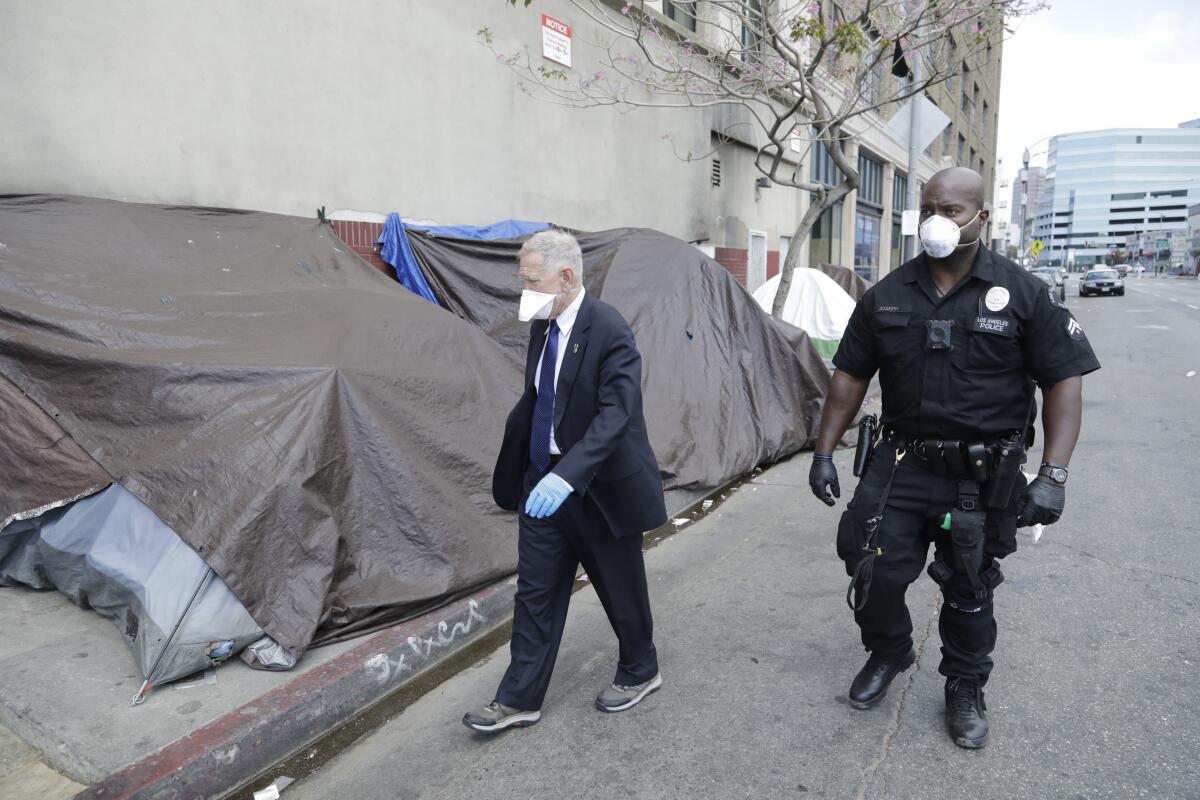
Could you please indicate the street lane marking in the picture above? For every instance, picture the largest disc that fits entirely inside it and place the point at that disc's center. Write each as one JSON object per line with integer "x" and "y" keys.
{"x": 1193, "y": 308}
{"x": 1151, "y": 327}
{"x": 1172, "y": 299}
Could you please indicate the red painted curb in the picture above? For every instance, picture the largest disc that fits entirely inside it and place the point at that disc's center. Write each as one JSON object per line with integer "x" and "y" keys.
{"x": 234, "y": 748}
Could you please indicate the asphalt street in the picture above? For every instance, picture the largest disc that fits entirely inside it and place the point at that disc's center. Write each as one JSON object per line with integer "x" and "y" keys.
{"x": 1096, "y": 691}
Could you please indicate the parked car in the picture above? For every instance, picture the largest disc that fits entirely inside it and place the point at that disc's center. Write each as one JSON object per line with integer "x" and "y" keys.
{"x": 1122, "y": 269}
{"x": 1055, "y": 273}
{"x": 1047, "y": 275}
{"x": 1101, "y": 281}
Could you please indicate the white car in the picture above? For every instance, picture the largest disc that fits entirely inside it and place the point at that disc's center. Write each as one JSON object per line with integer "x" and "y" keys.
{"x": 1101, "y": 281}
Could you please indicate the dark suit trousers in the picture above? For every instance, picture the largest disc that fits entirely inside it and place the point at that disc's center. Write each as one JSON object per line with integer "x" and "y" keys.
{"x": 549, "y": 551}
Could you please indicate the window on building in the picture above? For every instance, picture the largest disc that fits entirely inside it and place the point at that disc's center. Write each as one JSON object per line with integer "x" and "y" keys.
{"x": 947, "y": 140}
{"x": 1129, "y": 196}
{"x": 824, "y": 169}
{"x": 867, "y": 225}
{"x": 983, "y": 120}
{"x": 870, "y": 180}
{"x": 681, "y": 13}
{"x": 825, "y": 240}
{"x": 962, "y": 147}
{"x": 1171, "y": 193}
{"x": 970, "y": 159}
{"x": 752, "y": 29}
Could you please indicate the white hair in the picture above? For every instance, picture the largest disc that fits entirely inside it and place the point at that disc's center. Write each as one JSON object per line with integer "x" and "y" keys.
{"x": 557, "y": 249}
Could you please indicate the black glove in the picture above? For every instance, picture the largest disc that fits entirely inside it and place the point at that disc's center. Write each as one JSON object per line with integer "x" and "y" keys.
{"x": 823, "y": 479}
{"x": 1043, "y": 503}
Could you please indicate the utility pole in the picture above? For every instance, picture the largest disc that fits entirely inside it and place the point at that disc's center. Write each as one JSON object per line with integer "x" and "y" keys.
{"x": 911, "y": 200}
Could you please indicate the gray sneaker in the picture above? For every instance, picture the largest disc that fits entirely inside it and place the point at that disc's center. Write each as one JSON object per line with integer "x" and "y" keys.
{"x": 495, "y": 717}
{"x": 618, "y": 698}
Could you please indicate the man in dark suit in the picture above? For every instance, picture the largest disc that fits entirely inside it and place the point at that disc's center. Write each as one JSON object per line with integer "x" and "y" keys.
{"x": 576, "y": 462}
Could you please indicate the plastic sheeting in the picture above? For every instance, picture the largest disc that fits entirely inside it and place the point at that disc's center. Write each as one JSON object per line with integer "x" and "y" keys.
{"x": 815, "y": 304}
{"x": 109, "y": 552}
{"x": 504, "y": 229}
{"x": 323, "y": 438}
{"x": 394, "y": 250}
{"x": 320, "y": 436}
{"x": 725, "y": 388}
{"x": 854, "y": 284}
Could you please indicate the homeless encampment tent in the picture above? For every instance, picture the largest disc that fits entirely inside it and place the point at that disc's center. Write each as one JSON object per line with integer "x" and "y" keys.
{"x": 815, "y": 304}
{"x": 318, "y": 436}
{"x": 854, "y": 284}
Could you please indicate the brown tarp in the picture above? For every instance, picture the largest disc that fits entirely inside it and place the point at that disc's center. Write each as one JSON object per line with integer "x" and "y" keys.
{"x": 725, "y": 386}
{"x": 40, "y": 466}
{"x": 854, "y": 284}
{"x": 323, "y": 438}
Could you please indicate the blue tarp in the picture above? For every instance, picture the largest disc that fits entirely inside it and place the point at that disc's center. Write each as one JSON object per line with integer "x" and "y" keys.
{"x": 396, "y": 251}
{"x": 504, "y": 229}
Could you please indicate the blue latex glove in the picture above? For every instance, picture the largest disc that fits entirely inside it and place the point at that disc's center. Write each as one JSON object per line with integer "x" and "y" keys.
{"x": 547, "y": 496}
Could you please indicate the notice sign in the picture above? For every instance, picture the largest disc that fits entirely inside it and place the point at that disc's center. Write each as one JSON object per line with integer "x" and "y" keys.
{"x": 910, "y": 222}
{"x": 556, "y": 40}
{"x": 794, "y": 140}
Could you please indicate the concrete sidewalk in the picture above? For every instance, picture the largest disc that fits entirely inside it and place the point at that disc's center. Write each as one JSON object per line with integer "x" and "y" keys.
{"x": 757, "y": 648}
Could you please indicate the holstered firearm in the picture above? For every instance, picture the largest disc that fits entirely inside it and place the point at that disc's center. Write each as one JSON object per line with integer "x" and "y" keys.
{"x": 1010, "y": 457}
{"x": 868, "y": 430}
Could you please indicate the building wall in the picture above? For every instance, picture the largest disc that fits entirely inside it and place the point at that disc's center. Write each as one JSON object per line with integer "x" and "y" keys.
{"x": 1104, "y": 186}
{"x": 291, "y": 105}
{"x": 288, "y": 105}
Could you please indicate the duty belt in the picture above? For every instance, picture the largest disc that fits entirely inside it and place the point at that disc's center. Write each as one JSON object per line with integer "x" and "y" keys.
{"x": 954, "y": 457}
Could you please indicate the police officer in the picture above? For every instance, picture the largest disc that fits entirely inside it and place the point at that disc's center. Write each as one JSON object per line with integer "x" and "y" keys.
{"x": 959, "y": 336}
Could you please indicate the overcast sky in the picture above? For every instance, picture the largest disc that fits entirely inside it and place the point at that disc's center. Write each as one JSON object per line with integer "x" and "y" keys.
{"x": 1089, "y": 64}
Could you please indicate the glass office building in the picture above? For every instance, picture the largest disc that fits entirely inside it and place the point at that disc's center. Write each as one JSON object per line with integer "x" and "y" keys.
{"x": 1103, "y": 186}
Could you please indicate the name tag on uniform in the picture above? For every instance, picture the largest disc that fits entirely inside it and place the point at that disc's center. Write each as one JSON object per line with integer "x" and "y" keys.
{"x": 1001, "y": 326}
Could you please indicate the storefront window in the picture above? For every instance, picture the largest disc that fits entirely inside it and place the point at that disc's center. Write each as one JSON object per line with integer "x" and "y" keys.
{"x": 826, "y": 238}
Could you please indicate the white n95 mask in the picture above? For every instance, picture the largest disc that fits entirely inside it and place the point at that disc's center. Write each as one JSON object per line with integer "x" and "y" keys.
{"x": 940, "y": 236}
{"x": 535, "y": 305}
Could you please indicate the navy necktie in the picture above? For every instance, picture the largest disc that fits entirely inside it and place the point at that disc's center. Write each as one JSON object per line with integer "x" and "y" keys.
{"x": 543, "y": 409}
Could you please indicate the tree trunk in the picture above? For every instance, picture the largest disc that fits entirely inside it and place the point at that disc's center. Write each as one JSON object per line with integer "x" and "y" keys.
{"x": 800, "y": 236}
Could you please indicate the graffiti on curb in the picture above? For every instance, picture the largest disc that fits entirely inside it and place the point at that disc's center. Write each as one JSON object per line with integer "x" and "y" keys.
{"x": 381, "y": 667}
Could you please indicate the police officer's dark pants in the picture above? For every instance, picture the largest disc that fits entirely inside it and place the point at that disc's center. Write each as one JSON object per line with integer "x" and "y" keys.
{"x": 549, "y": 551}
{"x": 915, "y": 508}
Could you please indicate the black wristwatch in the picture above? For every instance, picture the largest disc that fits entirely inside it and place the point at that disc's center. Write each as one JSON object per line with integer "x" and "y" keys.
{"x": 1054, "y": 472}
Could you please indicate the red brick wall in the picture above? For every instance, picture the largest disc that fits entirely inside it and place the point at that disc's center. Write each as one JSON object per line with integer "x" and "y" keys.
{"x": 734, "y": 260}
{"x": 360, "y": 237}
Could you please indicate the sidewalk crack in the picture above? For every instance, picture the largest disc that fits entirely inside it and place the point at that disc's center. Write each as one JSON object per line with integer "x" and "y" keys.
{"x": 868, "y": 773}
{"x": 1123, "y": 567}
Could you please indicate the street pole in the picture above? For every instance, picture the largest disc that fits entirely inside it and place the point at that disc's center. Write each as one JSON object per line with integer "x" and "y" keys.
{"x": 911, "y": 200}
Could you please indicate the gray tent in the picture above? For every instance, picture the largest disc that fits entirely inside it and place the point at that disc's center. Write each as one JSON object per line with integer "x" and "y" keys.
{"x": 318, "y": 439}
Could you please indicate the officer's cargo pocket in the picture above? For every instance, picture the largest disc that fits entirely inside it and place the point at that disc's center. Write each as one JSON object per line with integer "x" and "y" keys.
{"x": 851, "y": 538}
{"x": 1000, "y": 529}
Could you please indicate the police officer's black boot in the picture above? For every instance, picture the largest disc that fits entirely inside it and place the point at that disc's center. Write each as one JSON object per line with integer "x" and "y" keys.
{"x": 871, "y": 682}
{"x": 966, "y": 713}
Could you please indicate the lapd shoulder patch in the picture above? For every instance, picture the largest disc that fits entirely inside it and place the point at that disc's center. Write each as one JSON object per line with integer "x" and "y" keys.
{"x": 1054, "y": 301}
{"x": 1075, "y": 330}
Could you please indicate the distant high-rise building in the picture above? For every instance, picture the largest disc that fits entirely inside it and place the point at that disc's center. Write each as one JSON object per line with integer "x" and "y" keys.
{"x": 1026, "y": 196}
{"x": 1103, "y": 186}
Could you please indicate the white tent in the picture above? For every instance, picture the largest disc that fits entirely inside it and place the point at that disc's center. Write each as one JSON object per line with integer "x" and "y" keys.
{"x": 815, "y": 304}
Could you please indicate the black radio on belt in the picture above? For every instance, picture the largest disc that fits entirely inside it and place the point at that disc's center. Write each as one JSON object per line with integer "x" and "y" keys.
{"x": 938, "y": 334}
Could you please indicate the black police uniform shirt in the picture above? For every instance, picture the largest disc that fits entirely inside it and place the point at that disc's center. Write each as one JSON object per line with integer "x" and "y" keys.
{"x": 1006, "y": 326}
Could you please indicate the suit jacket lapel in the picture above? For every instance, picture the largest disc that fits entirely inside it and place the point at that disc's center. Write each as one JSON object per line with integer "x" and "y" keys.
{"x": 576, "y": 346}
{"x": 537, "y": 338}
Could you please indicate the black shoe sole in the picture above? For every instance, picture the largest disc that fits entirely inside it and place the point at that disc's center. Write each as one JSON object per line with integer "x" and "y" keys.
{"x": 971, "y": 744}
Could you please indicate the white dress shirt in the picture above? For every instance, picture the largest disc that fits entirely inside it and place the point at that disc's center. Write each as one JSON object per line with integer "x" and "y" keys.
{"x": 565, "y": 321}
